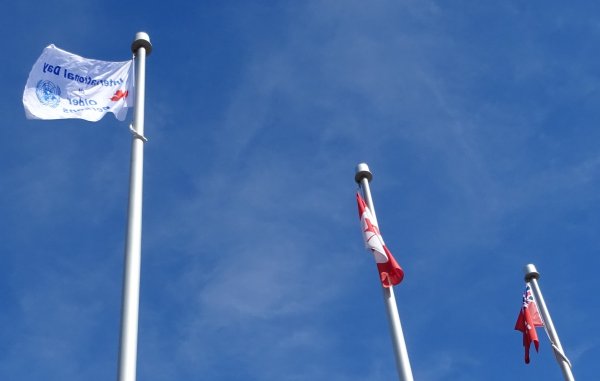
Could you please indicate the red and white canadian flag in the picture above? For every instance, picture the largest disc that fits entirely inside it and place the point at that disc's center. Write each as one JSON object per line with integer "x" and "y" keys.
{"x": 390, "y": 271}
{"x": 528, "y": 319}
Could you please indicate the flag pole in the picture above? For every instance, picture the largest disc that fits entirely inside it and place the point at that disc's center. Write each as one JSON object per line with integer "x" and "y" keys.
{"x": 363, "y": 177}
{"x": 141, "y": 47}
{"x": 531, "y": 276}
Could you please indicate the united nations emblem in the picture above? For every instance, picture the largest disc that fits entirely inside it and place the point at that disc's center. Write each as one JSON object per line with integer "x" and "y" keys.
{"x": 48, "y": 93}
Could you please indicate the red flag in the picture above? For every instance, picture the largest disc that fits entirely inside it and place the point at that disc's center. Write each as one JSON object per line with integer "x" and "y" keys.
{"x": 528, "y": 319}
{"x": 390, "y": 271}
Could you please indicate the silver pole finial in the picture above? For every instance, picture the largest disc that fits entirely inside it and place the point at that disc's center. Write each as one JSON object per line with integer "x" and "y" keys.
{"x": 141, "y": 40}
{"x": 363, "y": 172}
{"x": 531, "y": 272}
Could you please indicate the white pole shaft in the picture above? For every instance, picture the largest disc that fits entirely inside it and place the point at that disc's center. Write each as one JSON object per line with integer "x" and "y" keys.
{"x": 131, "y": 277}
{"x": 531, "y": 276}
{"x": 400, "y": 352}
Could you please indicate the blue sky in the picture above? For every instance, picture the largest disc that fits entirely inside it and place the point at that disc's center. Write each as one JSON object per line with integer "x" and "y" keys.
{"x": 478, "y": 120}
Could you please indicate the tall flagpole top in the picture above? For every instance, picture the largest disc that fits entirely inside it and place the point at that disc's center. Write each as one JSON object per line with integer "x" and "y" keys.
{"x": 530, "y": 272}
{"x": 142, "y": 40}
{"x": 363, "y": 171}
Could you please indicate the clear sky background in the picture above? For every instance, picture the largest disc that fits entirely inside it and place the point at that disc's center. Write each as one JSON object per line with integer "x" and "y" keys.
{"x": 480, "y": 123}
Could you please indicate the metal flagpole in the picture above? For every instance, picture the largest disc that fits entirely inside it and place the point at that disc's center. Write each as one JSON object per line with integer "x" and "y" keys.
{"x": 363, "y": 177}
{"x": 141, "y": 47}
{"x": 531, "y": 276}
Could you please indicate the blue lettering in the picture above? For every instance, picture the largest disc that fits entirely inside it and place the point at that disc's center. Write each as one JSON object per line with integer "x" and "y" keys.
{"x": 82, "y": 102}
{"x": 73, "y": 110}
{"x": 51, "y": 69}
{"x": 87, "y": 80}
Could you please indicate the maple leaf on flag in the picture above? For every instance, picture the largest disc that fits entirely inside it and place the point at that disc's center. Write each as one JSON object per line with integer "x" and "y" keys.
{"x": 390, "y": 272}
{"x": 120, "y": 94}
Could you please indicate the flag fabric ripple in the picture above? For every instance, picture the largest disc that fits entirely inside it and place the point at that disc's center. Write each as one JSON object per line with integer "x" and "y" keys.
{"x": 528, "y": 319}
{"x": 390, "y": 272}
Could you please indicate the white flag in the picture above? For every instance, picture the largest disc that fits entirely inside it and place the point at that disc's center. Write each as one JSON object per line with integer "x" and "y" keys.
{"x": 62, "y": 85}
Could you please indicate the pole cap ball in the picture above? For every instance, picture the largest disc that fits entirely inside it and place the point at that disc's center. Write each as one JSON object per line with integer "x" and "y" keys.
{"x": 363, "y": 171}
{"x": 530, "y": 272}
{"x": 142, "y": 40}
